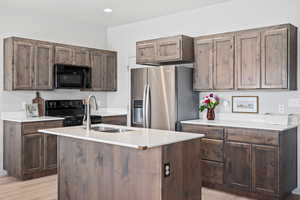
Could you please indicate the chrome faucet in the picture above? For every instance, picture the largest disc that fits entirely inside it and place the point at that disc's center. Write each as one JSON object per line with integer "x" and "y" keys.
{"x": 87, "y": 116}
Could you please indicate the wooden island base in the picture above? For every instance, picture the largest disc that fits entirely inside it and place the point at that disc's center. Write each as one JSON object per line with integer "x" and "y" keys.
{"x": 93, "y": 171}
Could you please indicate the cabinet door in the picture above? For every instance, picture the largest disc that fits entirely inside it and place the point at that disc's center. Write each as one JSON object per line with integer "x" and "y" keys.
{"x": 81, "y": 57}
{"x": 98, "y": 71}
{"x": 63, "y": 55}
{"x": 110, "y": 61}
{"x": 23, "y": 65}
{"x": 203, "y": 69}
{"x": 50, "y": 152}
{"x": 274, "y": 60}
{"x": 169, "y": 49}
{"x": 238, "y": 165}
{"x": 104, "y": 71}
{"x": 247, "y": 55}
{"x": 43, "y": 67}
{"x": 223, "y": 74}
{"x": 32, "y": 153}
{"x": 265, "y": 169}
{"x": 145, "y": 52}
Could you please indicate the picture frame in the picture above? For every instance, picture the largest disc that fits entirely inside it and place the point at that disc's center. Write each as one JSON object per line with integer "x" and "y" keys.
{"x": 245, "y": 104}
{"x": 32, "y": 110}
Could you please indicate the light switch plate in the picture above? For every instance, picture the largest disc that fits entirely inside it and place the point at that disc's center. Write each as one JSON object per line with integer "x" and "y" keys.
{"x": 294, "y": 103}
{"x": 281, "y": 108}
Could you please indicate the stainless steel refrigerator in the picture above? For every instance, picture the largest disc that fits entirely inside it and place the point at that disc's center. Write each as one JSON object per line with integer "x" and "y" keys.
{"x": 163, "y": 96}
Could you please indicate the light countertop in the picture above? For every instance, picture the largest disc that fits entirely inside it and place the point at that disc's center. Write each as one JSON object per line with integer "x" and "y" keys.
{"x": 21, "y": 117}
{"x": 107, "y": 112}
{"x": 139, "y": 138}
{"x": 240, "y": 124}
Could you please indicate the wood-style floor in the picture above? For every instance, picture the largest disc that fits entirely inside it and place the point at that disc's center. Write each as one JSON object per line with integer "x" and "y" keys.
{"x": 46, "y": 189}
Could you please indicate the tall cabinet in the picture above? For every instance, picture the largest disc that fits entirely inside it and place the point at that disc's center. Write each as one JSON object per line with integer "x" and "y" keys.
{"x": 262, "y": 58}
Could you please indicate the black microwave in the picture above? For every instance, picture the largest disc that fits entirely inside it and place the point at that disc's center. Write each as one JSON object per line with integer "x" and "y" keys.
{"x": 72, "y": 77}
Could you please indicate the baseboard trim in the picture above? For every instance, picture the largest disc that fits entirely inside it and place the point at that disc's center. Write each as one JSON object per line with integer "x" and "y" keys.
{"x": 3, "y": 173}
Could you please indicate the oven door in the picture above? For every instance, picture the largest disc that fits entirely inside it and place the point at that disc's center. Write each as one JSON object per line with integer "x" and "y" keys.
{"x": 72, "y": 77}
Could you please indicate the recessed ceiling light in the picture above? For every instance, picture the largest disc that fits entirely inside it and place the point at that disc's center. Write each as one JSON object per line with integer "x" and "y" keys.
{"x": 107, "y": 10}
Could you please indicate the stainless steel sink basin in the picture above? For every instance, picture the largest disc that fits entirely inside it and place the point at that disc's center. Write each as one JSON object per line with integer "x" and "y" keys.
{"x": 109, "y": 130}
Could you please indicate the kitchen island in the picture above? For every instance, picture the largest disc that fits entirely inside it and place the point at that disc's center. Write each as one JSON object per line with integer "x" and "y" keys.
{"x": 112, "y": 163}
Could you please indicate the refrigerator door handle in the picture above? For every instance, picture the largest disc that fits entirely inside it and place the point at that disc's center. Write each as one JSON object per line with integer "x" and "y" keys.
{"x": 148, "y": 108}
{"x": 144, "y": 106}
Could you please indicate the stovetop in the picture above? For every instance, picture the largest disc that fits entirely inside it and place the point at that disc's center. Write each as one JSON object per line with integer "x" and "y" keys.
{"x": 71, "y": 110}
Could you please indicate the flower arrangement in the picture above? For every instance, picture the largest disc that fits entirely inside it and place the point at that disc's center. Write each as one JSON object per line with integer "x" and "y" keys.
{"x": 210, "y": 102}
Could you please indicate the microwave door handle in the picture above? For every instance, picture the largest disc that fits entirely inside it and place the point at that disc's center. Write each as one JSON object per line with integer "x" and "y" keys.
{"x": 144, "y": 106}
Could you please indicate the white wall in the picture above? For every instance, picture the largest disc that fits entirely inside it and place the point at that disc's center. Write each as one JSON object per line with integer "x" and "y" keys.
{"x": 49, "y": 29}
{"x": 229, "y": 16}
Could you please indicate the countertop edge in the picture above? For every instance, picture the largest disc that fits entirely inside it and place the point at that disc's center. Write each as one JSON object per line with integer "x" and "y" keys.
{"x": 139, "y": 147}
{"x": 204, "y": 123}
{"x": 32, "y": 120}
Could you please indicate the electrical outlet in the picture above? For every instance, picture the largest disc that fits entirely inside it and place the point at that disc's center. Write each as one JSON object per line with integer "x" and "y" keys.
{"x": 281, "y": 109}
{"x": 167, "y": 170}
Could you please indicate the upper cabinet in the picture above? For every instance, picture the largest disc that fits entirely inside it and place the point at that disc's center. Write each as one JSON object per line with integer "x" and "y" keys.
{"x": 28, "y": 64}
{"x": 104, "y": 71}
{"x": 263, "y": 58}
{"x": 168, "y": 50}
{"x": 70, "y": 55}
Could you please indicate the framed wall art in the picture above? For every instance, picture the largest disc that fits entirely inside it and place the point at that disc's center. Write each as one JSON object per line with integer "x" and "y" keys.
{"x": 245, "y": 104}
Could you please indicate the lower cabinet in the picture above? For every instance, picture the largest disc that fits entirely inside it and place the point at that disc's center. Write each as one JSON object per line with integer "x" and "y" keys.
{"x": 32, "y": 158}
{"x": 27, "y": 153}
{"x": 265, "y": 169}
{"x": 50, "y": 151}
{"x": 261, "y": 164}
{"x": 238, "y": 165}
{"x": 115, "y": 120}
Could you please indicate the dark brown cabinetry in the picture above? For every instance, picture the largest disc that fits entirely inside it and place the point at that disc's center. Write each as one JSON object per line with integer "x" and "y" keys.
{"x": 262, "y": 58}
{"x": 247, "y": 60}
{"x": 115, "y": 120}
{"x": 168, "y": 50}
{"x": 28, "y": 64}
{"x": 238, "y": 165}
{"x": 70, "y": 55}
{"x": 32, "y": 153}
{"x": 27, "y": 153}
{"x": 257, "y": 163}
{"x": 104, "y": 71}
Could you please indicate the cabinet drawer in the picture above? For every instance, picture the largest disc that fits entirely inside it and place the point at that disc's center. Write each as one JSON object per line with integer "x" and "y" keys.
{"x": 115, "y": 120}
{"x": 33, "y": 127}
{"x": 212, "y": 172}
{"x": 252, "y": 136}
{"x": 53, "y": 124}
{"x": 210, "y": 132}
{"x": 212, "y": 149}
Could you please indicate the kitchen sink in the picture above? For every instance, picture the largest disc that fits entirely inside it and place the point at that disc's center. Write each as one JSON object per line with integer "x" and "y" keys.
{"x": 109, "y": 130}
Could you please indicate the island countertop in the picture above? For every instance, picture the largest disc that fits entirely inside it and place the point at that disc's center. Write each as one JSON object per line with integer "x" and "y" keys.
{"x": 138, "y": 138}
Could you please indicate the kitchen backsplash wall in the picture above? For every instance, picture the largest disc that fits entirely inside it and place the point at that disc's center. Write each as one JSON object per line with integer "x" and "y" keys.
{"x": 47, "y": 28}
{"x": 232, "y": 15}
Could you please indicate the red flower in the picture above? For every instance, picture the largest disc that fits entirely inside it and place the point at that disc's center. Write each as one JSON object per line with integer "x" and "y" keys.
{"x": 207, "y": 101}
{"x": 211, "y": 95}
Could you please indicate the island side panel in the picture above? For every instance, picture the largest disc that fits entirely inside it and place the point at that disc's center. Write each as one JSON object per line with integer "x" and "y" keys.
{"x": 93, "y": 171}
{"x": 184, "y": 182}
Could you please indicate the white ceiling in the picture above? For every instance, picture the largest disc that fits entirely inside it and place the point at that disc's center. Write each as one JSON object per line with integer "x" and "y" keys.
{"x": 91, "y": 11}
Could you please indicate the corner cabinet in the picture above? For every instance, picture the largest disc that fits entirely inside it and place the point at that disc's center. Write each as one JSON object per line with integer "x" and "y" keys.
{"x": 27, "y": 153}
{"x": 252, "y": 162}
{"x": 262, "y": 58}
{"x": 168, "y": 50}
